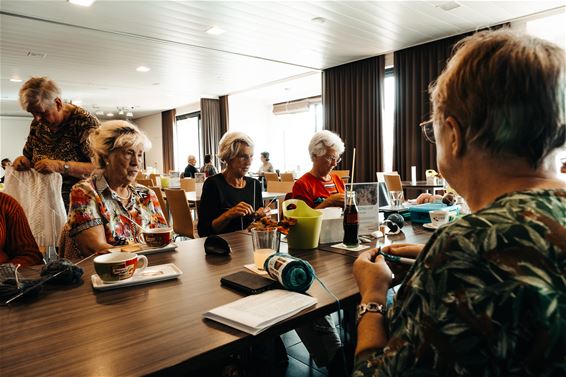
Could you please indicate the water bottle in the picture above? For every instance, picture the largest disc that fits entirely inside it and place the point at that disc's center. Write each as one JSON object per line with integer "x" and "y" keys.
{"x": 351, "y": 220}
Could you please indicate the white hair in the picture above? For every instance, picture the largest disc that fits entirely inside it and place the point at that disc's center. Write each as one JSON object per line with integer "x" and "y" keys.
{"x": 324, "y": 140}
{"x": 38, "y": 91}
{"x": 115, "y": 134}
{"x": 232, "y": 144}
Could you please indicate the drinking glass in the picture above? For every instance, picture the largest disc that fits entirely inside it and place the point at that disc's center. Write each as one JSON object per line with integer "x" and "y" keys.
{"x": 265, "y": 242}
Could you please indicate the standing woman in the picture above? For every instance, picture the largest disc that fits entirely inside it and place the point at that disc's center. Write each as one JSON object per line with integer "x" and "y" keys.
{"x": 58, "y": 136}
{"x": 230, "y": 200}
{"x": 110, "y": 208}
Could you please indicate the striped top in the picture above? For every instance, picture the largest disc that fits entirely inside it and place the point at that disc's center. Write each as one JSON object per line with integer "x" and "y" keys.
{"x": 314, "y": 191}
{"x": 17, "y": 245}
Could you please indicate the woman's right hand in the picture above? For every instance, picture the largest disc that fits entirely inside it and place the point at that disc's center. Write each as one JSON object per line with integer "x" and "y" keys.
{"x": 22, "y": 163}
{"x": 239, "y": 210}
{"x": 405, "y": 250}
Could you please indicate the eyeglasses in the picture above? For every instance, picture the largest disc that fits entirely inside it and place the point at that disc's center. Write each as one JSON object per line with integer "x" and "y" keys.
{"x": 336, "y": 160}
{"x": 245, "y": 157}
{"x": 428, "y": 131}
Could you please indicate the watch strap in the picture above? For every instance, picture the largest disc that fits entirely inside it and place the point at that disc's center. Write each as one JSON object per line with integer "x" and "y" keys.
{"x": 65, "y": 167}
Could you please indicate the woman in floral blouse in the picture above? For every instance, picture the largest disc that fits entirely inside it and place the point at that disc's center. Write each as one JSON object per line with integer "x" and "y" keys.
{"x": 487, "y": 294}
{"x": 110, "y": 208}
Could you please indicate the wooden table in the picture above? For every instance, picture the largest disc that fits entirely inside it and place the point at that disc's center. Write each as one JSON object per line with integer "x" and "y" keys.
{"x": 421, "y": 185}
{"x": 145, "y": 329}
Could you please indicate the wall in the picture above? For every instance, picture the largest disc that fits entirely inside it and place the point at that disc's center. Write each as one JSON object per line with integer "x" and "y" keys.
{"x": 151, "y": 125}
{"x": 13, "y": 134}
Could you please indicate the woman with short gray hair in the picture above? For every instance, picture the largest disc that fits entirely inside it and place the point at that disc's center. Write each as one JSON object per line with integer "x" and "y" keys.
{"x": 230, "y": 200}
{"x": 320, "y": 188}
{"x": 110, "y": 208}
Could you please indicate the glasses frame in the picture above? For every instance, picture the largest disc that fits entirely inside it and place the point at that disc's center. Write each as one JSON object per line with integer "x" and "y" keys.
{"x": 330, "y": 159}
{"x": 427, "y": 128}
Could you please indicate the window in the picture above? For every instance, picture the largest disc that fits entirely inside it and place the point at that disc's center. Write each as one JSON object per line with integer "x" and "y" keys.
{"x": 388, "y": 121}
{"x": 187, "y": 138}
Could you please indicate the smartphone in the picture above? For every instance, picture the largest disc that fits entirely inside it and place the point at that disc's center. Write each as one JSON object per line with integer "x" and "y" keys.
{"x": 247, "y": 282}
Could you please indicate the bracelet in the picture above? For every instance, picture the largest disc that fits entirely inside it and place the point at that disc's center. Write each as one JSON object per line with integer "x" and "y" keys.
{"x": 372, "y": 307}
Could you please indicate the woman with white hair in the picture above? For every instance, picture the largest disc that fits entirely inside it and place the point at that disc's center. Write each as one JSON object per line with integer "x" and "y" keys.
{"x": 230, "y": 200}
{"x": 110, "y": 208}
{"x": 319, "y": 188}
{"x": 57, "y": 140}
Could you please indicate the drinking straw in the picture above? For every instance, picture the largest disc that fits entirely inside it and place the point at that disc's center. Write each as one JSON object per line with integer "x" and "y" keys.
{"x": 352, "y": 176}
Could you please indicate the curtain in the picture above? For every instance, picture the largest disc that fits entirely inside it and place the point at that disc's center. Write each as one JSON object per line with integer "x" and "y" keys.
{"x": 352, "y": 102}
{"x": 212, "y": 128}
{"x": 167, "y": 124}
{"x": 415, "y": 69}
{"x": 224, "y": 115}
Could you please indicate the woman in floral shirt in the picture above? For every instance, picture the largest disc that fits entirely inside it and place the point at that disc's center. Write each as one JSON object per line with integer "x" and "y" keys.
{"x": 109, "y": 208}
{"x": 487, "y": 294}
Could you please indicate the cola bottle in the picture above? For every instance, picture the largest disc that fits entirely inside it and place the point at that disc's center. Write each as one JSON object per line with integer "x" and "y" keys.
{"x": 351, "y": 220}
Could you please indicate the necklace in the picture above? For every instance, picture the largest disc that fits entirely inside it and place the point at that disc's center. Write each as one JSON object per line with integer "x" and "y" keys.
{"x": 127, "y": 197}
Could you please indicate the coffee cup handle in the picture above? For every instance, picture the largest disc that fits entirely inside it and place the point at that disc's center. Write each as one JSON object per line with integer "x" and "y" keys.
{"x": 143, "y": 260}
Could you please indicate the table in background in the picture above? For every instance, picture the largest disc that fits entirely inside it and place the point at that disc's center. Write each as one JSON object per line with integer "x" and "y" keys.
{"x": 154, "y": 328}
{"x": 421, "y": 185}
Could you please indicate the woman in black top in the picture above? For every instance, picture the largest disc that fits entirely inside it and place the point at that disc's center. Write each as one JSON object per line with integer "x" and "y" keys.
{"x": 230, "y": 200}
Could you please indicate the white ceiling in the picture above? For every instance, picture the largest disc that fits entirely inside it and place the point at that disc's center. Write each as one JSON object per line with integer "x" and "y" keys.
{"x": 92, "y": 53}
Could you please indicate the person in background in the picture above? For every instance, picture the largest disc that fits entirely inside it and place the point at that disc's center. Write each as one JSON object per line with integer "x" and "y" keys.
{"x": 109, "y": 208}
{"x": 5, "y": 163}
{"x": 17, "y": 245}
{"x": 266, "y": 166}
{"x": 486, "y": 295}
{"x": 320, "y": 188}
{"x": 230, "y": 200}
{"x": 58, "y": 136}
{"x": 563, "y": 167}
{"x": 190, "y": 170}
{"x": 208, "y": 168}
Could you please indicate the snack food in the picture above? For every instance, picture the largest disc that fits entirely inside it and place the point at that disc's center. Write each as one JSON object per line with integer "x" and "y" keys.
{"x": 266, "y": 222}
{"x": 131, "y": 248}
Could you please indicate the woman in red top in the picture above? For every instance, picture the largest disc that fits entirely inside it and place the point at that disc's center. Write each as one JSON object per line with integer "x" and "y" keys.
{"x": 17, "y": 245}
{"x": 320, "y": 188}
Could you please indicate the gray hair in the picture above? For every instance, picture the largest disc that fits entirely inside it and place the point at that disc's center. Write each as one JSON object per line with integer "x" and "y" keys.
{"x": 39, "y": 92}
{"x": 324, "y": 140}
{"x": 112, "y": 135}
{"x": 232, "y": 144}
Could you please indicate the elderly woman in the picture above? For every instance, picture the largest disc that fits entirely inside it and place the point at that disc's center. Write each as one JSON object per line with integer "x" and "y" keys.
{"x": 230, "y": 200}
{"x": 110, "y": 208}
{"x": 266, "y": 166}
{"x": 485, "y": 296}
{"x": 319, "y": 188}
{"x": 58, "y": 136}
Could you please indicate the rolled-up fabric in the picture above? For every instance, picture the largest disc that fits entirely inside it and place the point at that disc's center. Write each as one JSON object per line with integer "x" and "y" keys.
{"x": 292, "y": 273}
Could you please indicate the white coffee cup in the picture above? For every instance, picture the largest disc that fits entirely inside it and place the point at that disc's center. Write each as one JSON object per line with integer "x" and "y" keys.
{"x": 440, "y": 217}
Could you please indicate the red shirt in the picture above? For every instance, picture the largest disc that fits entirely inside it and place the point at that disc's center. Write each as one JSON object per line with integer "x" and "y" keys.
{"x": 313, "y": 191}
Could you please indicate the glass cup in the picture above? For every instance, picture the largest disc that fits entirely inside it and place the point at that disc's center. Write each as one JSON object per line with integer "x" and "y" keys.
{"x": 396, "y": 198}
{"x": 165, "y": 181}
{"x": 265, "y": 243}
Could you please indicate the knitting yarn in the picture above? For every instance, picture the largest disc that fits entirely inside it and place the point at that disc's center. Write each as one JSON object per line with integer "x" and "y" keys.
{"x": 292, "y": 273}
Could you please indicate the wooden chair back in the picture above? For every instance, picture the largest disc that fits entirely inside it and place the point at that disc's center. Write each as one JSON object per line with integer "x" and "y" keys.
{"x": 276, "y": 186}
{"x": 155, "y": 179}
{"x": 342, "y": 173}
{"x": 180, "y": 213}
{"x": 145, "y": 182}
{"x": 188, "y": 184}
{"x": 393, "y": 182}
{"x": 380, "y": 175}
{"x": 269, "y": 177}
{"x": 287, "y": 177}
{"x": 162, "y": 202}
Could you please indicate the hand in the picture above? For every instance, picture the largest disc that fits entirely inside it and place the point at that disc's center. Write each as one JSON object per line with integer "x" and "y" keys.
{"x": 402, "y": 250}
{"x": 334, "y": 200}
{"x": 240, "y": 209}
{"x": 428, "y": 198}
{"x": 262, "y": 212}
{"x": 47, "y": 166}
{"x": 22, "y": 163}
{"x": 373, "y": 276}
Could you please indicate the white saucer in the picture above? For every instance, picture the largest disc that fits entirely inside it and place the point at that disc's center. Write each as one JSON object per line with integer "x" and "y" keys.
{"x": 430, "y": 226}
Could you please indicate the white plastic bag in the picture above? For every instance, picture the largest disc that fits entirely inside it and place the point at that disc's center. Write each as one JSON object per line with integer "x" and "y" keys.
{"x": 40, "y": 196}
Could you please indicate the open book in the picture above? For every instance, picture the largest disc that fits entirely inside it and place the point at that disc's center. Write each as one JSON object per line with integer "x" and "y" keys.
{"x": 256, "y": 313}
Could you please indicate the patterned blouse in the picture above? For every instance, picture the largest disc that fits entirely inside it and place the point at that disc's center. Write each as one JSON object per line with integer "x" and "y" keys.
{"x": 68, "y": 143}
{"x": 93, "y": 203}
{"x": 487, "y": 296}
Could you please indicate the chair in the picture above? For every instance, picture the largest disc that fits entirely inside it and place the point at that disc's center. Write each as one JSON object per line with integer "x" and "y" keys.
{"x": 188, "y": 184}
{"x": 162, "y": 202}
{"x": 276, "y": 186}
{"x": 344, "y": 175}
{"x": 145, "y": 182}
{"x": 180, "y": 213}
{"x": 269, "y": 177}
{"x": 287, "y": 177}
{"x": 155, "y": 179}
{"x": 395, "y": 188}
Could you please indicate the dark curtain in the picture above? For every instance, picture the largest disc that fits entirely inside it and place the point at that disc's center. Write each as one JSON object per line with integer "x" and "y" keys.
{"x": 167, "y": 123}
{"x": 415, "y": 69}
{"x": 211, "y": 126}
{"x": 352, "y": 101}
{"x": 224, "y": 115}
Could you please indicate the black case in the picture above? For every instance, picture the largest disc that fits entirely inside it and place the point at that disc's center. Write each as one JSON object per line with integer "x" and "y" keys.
{"x": 248, "y": 282}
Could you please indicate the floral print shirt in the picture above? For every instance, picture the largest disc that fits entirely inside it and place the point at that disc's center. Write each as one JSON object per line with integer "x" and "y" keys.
{"x": 93, "y": 203}
{"x": 486, "y": 297}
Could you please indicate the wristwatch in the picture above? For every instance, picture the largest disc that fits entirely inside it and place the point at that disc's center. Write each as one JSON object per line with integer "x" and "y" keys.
{"x": 373, "y": 307}
{"x": 65, "y": 167}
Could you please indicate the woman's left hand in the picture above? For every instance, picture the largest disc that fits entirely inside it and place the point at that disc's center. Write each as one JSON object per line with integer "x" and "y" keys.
{"x": 262, "y": 212}
{"x": 47, "y": 166}
{"x": 373, "y": 276}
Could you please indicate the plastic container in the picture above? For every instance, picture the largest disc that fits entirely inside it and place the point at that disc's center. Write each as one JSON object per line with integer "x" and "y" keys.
{"x": 306, "y": 232}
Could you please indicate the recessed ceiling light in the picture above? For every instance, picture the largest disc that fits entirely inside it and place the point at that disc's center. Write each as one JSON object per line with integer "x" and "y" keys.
{"x": 77, "y": 102}
{"x": 82, "y": 3}
{"x": 142, "y": 68}
{"x": 99, "y": 112}
{"x": 109, "y": 114}
{"x": 319, "y": 20}
{"x": 214, "y": 30}
{"x": 16, "y": 80}
{"x": 129, "y": 114}
{"x": 121, "y": 112}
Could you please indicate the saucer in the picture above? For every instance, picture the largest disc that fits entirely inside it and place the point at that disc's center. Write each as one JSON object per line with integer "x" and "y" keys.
{"x": 430, "y": 226}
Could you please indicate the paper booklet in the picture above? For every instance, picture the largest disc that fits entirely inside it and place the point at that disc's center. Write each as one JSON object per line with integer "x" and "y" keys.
{"x": 256, "y": 313}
